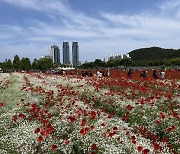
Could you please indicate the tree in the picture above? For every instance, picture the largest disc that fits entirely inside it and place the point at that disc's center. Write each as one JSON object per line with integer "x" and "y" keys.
{"x": 35, "y": 64}
{"x": 7, "y": 65}
{"x": 25, "y": 64}
{"x": 16, "y": 63}
{"x": 97, "y": 61}
{"x": 127, "y": 62}
{"x": 44, "y": 64}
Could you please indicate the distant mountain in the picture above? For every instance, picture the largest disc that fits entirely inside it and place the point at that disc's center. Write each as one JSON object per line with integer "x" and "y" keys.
{"x": 154, "y": 53}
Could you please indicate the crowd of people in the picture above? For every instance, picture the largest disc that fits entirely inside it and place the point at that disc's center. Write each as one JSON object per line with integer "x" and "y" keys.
{"x": 95, "y": 74}
{"x": 130, "y": 73}
{"x": 144, "y": 74}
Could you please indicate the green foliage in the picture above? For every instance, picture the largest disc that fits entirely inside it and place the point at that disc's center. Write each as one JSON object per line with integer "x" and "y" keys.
{"x": 7, "y": 65}
{"x": 175, "y": 61}
{"x": 154, "y": 53}
{"x": 35, "y": 64}
{"x": 16, "y": 63}
{"x": 43, "y": 64}
{"x": 153, "y": 56}
{"x": 25, "y": 64}
{"x": 112, "y": 63}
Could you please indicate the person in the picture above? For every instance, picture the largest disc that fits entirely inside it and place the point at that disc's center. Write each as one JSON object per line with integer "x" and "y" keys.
{"x": 99, "y": 74}
{"x": 90, "y": 74}
{"x": 94, "y": 75}
{"x": 86, "y": 74}
{"x": 130, "y": 73}
{"x": 143, "y": 74}
{"x": 83, "y": 74}
{"x": 154, "y": 74}
{"x": 64, "y": 73}
{"x": 108, "y": 73}
{"x": 77, "y": 73}
{"x": 162, "y": 74}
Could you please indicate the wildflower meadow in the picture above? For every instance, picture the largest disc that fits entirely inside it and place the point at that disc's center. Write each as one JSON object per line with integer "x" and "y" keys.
{"x": 68, "y": 114}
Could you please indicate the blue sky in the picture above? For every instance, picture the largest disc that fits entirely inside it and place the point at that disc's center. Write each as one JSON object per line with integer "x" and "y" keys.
{"x": 102, "y": 27}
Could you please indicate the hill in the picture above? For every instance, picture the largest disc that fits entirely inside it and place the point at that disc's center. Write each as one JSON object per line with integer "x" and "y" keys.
{"x": 154, "y": 53}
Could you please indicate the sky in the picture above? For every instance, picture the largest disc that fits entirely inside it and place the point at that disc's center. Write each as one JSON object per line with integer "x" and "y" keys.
{"x": 102, "y": 28}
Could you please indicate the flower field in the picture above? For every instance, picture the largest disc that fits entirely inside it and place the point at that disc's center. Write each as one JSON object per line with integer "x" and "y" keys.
{"x": 44, "y": 114}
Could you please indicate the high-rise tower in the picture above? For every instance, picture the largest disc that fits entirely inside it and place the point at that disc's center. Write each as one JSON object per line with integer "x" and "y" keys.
{"x": 75, "y": 54}
{"x": 66, "y": 58}
{"x": 55, "y": 54}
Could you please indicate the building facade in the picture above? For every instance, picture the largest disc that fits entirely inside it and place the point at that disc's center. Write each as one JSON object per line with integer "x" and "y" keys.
{"x": 66, "y": 57}
{"x": 55, "y": 54}
{"x": 75, "y": 54}
{"x": 118, "y": 57}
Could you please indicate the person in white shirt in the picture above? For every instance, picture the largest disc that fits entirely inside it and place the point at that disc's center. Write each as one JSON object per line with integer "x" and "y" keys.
{"x": 162, "y": 74}
{"x": 99, "y": 74}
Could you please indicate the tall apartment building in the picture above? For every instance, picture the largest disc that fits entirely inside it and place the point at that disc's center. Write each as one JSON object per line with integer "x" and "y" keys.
{"x": 55, "y": 54}
{"x": 75, "y": 54}
{"x": 66, "y": 58}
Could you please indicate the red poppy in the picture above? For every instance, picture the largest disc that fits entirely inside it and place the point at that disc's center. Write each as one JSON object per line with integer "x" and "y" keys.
{"x": 133, "y": 138}
{"x": 103, "y": 124}
{"x": 93, "y": 115}
{"x": 111, "y": 134}
{"x": 158, "y": 122}
{"x": 1, "y": 104}
{"x": 83, "y": 122}
{"x": 83, "y": 131}
{"x": 66, "y": 141}
{"x": 40, "y": 139}
{"x": 127, "y": 132}
{"x": 92, "y": 127}
{"x": 139, "y": 148}
{"x": 104, "y": 135}
{"x": 72, "y": 119}
{"x": 162, "y": 115}
{"x": 145, "y": 151}
{"x": 164, "y": 140}
{"x": 21, "y": 115}
{"x": 37, "y": 130}
{"x": 15, "y": 118}
{"x": 93, "y": 147}
{"x": 124, "y": 118}
{"x": 54, "y": 147}
{"x": 115, "y": 128}
{"x": 157, "y": 146}
{"x": 129, "y": 107}
{"x": 171, "y": 128}
{"x": 110, "y": 115}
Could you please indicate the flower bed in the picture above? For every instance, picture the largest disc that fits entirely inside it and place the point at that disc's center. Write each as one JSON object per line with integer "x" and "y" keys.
{"x": 42, "y": 113}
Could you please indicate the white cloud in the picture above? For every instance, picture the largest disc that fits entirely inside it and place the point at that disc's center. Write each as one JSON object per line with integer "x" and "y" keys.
{"x": 40, "y": 5}
{"x": 169, "y": 5}
{"x": 98, "y": 37}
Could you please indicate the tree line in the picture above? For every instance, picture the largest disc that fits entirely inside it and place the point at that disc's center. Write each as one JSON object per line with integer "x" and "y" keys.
{"x": 130, "y": 62}
{"x": 26, "y": 65}
{"x": 153, "y": 56}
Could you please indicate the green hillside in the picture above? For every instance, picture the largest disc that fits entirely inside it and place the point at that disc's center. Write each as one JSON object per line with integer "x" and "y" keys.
{"x": 154, "y": 53}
